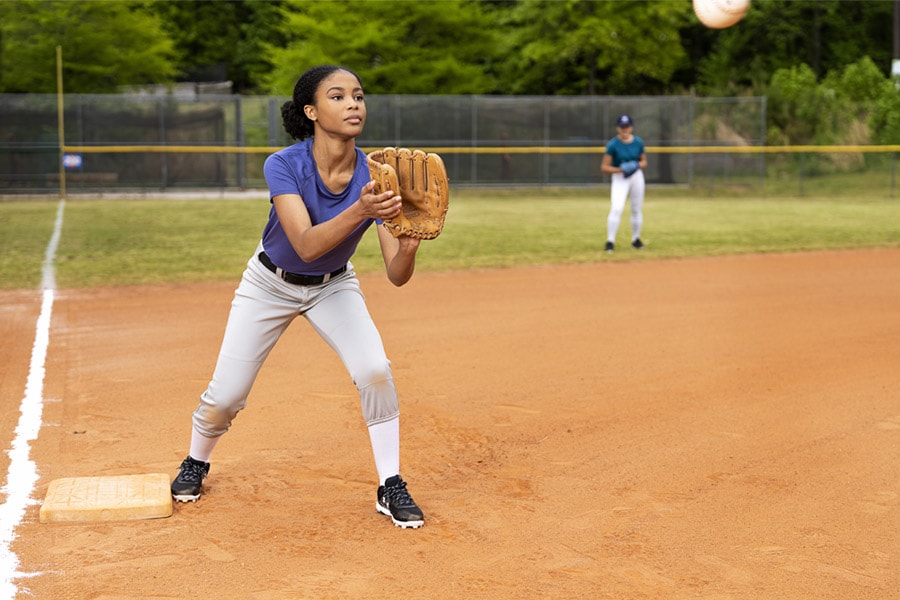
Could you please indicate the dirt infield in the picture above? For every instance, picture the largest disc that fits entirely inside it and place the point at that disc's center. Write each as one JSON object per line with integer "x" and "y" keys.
{"x": 709, "y": 428}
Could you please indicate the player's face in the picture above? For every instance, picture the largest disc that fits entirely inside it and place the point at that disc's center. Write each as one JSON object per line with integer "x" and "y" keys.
{"x": 340, "y": 106}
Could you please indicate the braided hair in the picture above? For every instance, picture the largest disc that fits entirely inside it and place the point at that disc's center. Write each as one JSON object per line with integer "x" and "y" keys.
{"x": 296, "y": 123}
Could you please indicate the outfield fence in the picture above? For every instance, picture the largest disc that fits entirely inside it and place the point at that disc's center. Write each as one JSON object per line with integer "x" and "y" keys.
{"x": 148, "y": 143}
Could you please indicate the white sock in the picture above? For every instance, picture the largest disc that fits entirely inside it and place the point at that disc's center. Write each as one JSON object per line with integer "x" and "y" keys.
{"x": 202, "y": 446}
{"x": 385, "y": 438}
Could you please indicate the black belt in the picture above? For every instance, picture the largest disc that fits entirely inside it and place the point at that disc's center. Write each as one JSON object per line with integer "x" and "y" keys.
{"x": 295, "y": 278}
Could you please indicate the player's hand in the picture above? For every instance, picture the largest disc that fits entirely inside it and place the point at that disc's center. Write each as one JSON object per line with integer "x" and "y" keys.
{"x": 379, "y": 206}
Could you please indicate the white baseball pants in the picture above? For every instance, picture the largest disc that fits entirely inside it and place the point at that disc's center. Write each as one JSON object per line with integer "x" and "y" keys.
{"x": 620, "y": 191}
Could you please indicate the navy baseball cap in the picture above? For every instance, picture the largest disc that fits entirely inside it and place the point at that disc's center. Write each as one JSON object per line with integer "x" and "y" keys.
{"x": 624, "y": 121}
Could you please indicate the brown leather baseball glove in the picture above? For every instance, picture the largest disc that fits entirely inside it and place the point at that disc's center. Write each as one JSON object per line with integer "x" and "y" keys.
{"x": 421, "y": 179}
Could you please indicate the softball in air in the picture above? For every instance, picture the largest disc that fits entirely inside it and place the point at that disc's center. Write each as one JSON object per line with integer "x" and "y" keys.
{"x": 719, "y": 14}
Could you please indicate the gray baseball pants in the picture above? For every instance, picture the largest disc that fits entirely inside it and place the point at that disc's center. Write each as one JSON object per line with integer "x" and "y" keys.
{"x": 263, "y": 307}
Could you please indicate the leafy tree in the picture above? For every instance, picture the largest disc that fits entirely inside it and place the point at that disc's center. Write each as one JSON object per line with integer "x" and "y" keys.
{"x": 586, "y": 47}
{"x": 395, "y": 47}
{"x": 825, "y": 35}
{"x": 219, "y": 40}
{"x": 802, "y": 110}
{"x": 884, "y": 121}
{"x": 793, "y": 105}
{"x": 105, "y": 45}
{"x": 859, "y": 83}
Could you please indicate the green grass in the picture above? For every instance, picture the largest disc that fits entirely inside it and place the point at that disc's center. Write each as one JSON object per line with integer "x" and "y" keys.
{"x": 25, "y": 230}
{"x": 129, "y": 242}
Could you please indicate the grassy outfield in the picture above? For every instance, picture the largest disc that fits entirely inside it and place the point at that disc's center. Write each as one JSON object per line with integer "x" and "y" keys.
{"x": 148, "y": 241}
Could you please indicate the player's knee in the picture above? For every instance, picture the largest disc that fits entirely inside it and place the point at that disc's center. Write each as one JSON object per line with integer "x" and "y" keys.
{"x": 377, "y": 394}
{"x": 376, "y": 372}
{"x": 214, "y": 414}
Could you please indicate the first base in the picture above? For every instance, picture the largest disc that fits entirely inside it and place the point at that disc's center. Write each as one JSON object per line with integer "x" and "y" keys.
{"x": 116, "y": 498}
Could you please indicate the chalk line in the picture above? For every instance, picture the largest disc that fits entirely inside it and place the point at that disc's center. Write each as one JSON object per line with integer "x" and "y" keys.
{"x": 22, "y": 474}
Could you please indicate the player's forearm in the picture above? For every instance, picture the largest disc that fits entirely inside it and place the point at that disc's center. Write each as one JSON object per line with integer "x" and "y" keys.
{"x": 401, "y": 269}
{"x": 314, "y": 242}
{"x": 399, "y": 256}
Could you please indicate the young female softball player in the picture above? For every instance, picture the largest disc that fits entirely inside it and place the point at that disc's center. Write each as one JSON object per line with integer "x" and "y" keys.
{"x": 322, "y": 202}
{"x": 625, "y": 160}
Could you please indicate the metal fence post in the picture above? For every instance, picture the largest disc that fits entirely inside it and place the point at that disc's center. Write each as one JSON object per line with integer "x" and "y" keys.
{"x": 473, "y": 161}
{"x": 762, "y": 142}
{"x": 893, "y": 171}
{"x": 545, "y": 176}
{"x": 240, "y": 140}
{"x": 691, "y": 125}
{"x": 163, "y": 160}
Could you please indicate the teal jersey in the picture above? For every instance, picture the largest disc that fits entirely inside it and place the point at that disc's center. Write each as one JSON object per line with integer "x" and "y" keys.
{"x": 622, "y": 152}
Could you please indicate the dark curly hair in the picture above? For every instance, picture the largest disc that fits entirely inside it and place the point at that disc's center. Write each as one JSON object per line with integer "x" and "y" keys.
{"x": 296, "y": 123}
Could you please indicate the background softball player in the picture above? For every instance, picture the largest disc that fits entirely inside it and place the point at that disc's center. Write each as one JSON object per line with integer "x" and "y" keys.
{"x": 322, "y": 204}
{"x": 624, "y": 160}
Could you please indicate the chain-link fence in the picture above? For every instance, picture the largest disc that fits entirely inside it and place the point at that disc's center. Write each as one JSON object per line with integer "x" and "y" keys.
{"x": 485, "y": 140}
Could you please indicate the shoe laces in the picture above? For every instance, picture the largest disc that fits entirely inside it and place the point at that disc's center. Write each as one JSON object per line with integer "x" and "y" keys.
{"x": 191, "y": 471}
{"x": 398, "y": 496}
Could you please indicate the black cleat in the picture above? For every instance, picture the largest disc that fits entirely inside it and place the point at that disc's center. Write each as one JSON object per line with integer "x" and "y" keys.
{"x": 637, "y": 244}
{"x": 189, "y": 481}
{"x": 610, "y": 247}
{"x": 395, "y": 501}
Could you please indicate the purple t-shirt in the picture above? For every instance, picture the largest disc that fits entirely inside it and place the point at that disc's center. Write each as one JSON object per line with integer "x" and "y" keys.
{"x": 293, "y": 171}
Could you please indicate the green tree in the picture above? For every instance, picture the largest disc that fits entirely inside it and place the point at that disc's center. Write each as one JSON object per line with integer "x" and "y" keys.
{"x": 858, "y": 83}
{"x": 805, "y": 111}
{"x": 396, "y": 47}
{"x": 794, "y": 104}
{"x": 825, "y": 35}
{"x": 884, "y": 121}
{"x": 586, "y": 47}
{"x": 105, "y": 45}
{"x": 219, "y": 41}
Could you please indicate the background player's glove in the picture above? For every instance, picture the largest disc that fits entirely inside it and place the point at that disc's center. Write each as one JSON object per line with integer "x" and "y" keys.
{"x": 629, "y": 168}
{"x": 422, "y": 182}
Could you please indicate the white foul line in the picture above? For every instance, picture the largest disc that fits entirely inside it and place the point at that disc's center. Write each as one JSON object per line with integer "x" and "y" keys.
{"x": 22, "y": 475}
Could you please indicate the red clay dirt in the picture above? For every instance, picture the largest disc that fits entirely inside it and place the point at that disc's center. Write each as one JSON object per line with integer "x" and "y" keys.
{"x": 711, "y": 428}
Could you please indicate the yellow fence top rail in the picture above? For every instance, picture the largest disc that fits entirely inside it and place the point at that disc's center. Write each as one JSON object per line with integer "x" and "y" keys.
{"x": 503, "y": 149}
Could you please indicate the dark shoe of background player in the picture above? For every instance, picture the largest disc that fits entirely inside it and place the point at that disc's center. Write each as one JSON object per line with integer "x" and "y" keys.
{"x": 637, "y": 244}
{"x": 395, "y": 501}
{"x": 189, "y": 481}
{"x": 610, "y": 247}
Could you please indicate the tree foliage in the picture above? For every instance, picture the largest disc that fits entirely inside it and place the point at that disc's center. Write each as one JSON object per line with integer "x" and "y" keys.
{"x": 884, "y": 121}
{"x": 821, "y": 63}
{"x": 105, "y": 45}
{"x": 825, "y": 35}
{"x": 794, "y": 101}
{"x": 804, "y": 110}
{"x": 395, "y": 47}
{"x": 218, "y": 41}
{"x": 446, "y": 47}
{"x": 577, "y": 47}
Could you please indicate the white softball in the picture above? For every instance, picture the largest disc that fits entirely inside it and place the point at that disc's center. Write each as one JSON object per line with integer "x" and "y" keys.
{"x": 719, "y": 14}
